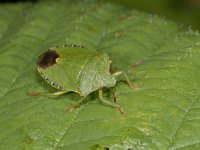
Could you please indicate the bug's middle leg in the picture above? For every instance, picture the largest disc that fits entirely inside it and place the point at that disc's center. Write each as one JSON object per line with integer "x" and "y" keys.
{"x": 109, "y": 103}
{"x": 114, "y": 96}
{"x": 116, "y": 74}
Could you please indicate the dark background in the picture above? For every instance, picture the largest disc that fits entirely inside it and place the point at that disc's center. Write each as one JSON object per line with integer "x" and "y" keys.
{"x": 181, "y": 11}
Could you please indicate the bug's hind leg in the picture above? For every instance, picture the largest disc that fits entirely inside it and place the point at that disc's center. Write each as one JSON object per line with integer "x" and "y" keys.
{"x": 110, "y": 103}
{"x": 135, "y": 87}
{"x": 75, "y": 105}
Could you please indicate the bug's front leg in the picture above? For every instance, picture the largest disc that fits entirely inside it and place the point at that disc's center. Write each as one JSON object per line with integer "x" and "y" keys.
{"x": 135, "y": 87}
{"x": 75, "y": 105}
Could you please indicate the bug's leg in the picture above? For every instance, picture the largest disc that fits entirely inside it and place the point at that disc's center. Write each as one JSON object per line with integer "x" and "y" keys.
{"x": 75, "y": 105}
{"x": 110, "y": 103}
{"x": 128, "y": 80}
{"x": 133, "y": 66}
{"x": 47, "y": 94}
{"x": 114, "y": 96}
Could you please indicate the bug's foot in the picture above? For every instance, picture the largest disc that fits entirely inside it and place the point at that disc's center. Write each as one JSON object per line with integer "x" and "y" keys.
{"x": 120, "y": 110}
{"x": 136, "y": 87}
{"x": 133, "y": 66}
{"x": 69, "y": 109}
{"x": 72, "y": 107}
{"x": 75, "y": 105}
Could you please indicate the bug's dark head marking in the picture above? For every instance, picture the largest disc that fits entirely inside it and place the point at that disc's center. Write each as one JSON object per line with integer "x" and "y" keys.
{"x": 47, "y": 59}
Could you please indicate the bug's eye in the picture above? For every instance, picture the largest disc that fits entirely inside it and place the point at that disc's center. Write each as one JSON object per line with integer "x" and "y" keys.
{"x": 47, "y": 59}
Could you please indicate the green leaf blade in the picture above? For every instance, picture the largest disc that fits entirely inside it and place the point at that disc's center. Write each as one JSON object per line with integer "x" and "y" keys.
{"x": 163, "y": 114}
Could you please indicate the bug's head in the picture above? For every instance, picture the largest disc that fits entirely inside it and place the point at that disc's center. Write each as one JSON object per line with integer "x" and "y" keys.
{"x": 47, "y": 59}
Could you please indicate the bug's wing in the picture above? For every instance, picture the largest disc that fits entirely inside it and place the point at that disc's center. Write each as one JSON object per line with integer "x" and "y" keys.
{"x": 58, "y": 77}
{"x": 95, "y": 73}
{"x": 71, "y": 69}
{"x": 68, "y": 67}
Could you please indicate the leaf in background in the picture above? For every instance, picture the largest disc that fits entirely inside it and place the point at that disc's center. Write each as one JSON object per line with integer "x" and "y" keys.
{"x": 163, "y": 114}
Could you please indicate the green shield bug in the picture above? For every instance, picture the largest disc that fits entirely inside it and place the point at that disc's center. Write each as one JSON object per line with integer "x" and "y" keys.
{"x": 78, "y": 69}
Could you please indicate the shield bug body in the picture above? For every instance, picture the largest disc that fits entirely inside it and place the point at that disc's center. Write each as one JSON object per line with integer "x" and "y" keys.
{"x": 78, "y": 69}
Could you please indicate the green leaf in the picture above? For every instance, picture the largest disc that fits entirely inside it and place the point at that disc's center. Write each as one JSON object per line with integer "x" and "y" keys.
{"x": 163, "y": 114}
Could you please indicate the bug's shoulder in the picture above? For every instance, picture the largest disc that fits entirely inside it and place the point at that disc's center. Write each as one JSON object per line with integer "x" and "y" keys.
{"x": 70, "y": 46}
{"x": 73, "y": 50}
